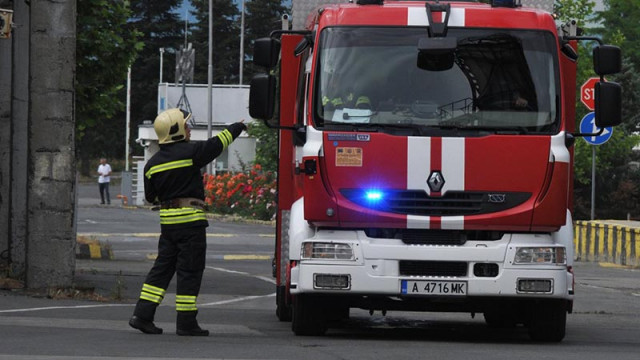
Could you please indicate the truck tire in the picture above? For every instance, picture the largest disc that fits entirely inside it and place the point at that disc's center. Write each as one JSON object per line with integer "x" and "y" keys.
{"x": 283, "y": 309}
{"x": 308, "y": 316}
{"x": 338, "y": 313}
{"x": 548, "y": 322}
{"x": 500, "y": 319}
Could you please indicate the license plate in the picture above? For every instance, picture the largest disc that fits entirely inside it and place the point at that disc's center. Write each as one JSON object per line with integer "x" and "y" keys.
{"x": 433, "y": 287}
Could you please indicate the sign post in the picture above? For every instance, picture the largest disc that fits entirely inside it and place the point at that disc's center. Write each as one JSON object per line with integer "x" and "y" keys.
{"x": 588, "y": 125}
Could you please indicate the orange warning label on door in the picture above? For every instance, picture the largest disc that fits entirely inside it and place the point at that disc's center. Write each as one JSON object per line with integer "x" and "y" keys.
{"x": 348, "y": 156}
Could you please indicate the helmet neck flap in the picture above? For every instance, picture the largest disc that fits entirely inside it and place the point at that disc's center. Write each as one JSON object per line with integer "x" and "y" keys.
{"x": 170, "y": 126}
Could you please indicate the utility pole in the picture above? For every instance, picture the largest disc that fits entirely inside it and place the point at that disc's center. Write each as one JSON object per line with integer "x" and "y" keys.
{"x": 210, "y": 167}
{"x": 128, "y": 120}
{"x": 161, "y": 63}
{"x": 241, "y": 40}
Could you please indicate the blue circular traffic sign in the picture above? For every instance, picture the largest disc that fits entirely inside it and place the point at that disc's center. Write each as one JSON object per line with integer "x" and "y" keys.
{"x": 588, "y": 126}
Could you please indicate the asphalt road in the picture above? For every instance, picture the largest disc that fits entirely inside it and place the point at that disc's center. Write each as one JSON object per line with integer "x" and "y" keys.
{"x": 237, "y": 304}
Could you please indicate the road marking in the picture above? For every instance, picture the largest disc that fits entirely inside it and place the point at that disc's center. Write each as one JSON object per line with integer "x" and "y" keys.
{"x": 223, "y": 302}
{"x": 230, "y": 301}
{"x": 263, "y": 278}
{"x": 118, "y": 325}
{"x": 84, "y": 357}
{"x": 147, "y": 235}
{"x": 246, "y": 257}
{"x": 230, "y": 257}
{"x": 63, "y": 307}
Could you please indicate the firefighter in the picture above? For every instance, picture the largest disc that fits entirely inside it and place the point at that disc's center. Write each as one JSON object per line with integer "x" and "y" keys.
{"x": 339, "y": 94}
{"x": 361, "y": 102}
{"x": 172, "y": 179}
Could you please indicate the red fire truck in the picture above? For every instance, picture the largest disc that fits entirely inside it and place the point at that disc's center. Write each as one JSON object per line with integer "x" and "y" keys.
{"x": 425, "y": 156}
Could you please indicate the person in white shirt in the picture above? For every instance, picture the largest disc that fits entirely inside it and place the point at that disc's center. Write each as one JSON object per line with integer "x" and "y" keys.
{"x": 104, "y": 170}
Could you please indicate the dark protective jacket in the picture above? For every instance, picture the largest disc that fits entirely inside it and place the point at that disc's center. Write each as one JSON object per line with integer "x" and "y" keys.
{"x": 174, "y": 172}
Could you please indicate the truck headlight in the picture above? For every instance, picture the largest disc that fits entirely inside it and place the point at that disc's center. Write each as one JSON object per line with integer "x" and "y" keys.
{"x": 540, "y": 255}
{"x": 326, "y": 251}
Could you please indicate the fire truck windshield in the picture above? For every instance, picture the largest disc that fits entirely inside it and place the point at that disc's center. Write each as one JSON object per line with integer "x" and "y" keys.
{"x": 501, "y": 80}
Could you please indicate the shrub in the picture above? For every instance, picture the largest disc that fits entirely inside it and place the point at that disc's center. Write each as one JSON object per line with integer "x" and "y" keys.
{"x": 249, "y": 194}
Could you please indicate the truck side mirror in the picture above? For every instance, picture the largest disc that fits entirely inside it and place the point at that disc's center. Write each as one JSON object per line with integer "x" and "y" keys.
{"x": 437, "y": 53}
{"x": 607, "y": 60}
{"x": 262, "y": 97}
{"x": 265, "y": 52}
{"x": 608, "y": 104}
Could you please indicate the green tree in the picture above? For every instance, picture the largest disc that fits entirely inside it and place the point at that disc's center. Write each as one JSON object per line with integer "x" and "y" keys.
{"x": 226, "y": 41}
{"x": 623, "y": 16}
{"x": 161, "y": 27}
{"x": 266, "y": 146}
{"x": 579, "y": 10}
{"x": 105, "y": 48}
{"x": 262, "y": 17}
{"x": 621, "y": 22}
{"x": 614, "y": 177}
{"x": 582, "y": 12}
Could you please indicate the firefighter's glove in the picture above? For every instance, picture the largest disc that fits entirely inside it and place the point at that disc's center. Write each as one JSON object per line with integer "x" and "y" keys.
{"x": 242, "y": 125}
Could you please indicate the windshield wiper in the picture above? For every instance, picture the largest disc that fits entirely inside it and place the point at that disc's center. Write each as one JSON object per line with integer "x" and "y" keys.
{"x": 417, "y": 129}
{"x": 497, "y": 130}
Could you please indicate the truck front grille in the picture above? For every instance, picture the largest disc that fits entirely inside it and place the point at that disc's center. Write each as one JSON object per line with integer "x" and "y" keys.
{"x": 433, "y": 237}
{"x": 433, "y": 268}
{"x": 451, "y": 203}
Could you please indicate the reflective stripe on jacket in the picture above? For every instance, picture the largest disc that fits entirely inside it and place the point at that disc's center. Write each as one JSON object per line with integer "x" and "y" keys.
{"x": 174, "y": 172}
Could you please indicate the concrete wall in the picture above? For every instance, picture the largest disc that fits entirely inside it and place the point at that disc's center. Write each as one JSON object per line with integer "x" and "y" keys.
{"x": 38, "y": 166}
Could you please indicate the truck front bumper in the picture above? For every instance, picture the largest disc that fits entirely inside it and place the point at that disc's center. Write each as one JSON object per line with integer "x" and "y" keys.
{"x": 378, "y": 268}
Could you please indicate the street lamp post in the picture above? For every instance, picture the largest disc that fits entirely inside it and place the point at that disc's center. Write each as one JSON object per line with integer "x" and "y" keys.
{"x": 210, "y": 168}
{"x": 128, "y": 121}
{"x": 241, "y": 39}
{"x": 161, "y": 63}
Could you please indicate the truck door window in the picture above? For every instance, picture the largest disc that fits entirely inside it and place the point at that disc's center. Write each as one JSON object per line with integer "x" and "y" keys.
{"x": 501, "y": 80}
{"x": 302, "y": 87}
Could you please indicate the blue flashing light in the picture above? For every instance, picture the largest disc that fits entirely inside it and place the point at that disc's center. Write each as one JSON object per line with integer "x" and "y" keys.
{"x": 373, "y": 195}
{"x": 506, "y": 3}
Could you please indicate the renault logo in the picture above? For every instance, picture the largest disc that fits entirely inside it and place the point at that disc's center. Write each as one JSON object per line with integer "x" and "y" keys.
{"x": 497, "y": 198}
{"x": 435, "y": 181}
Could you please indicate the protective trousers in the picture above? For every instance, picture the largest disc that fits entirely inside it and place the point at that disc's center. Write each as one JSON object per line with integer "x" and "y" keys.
{"x": 180, "y": 251}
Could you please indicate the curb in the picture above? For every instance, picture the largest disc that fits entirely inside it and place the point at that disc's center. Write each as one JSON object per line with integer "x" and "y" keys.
{"x": 210, "y": 216}
{"x": 617, "y": 266}
{"x": 228, "y": 257}
{"x": 93, "y": 251}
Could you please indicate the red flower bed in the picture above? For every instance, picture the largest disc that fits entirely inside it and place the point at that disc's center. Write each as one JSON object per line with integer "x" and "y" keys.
{"x": 251, "y": 194}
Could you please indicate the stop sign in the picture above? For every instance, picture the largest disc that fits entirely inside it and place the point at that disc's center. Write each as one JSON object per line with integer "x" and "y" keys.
{"x": 588, "y": 92}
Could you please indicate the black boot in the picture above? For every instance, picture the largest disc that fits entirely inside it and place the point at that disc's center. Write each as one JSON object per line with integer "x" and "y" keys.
{"x": 146, "y": 326}
{"x": 187, "y": 325}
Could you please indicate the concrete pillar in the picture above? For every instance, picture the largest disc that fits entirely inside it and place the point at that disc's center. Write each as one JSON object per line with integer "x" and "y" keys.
{"x": 19, "y": 140}
{"x": 51, "y": 171}
{"x": 38, "y": 175}
{"x": 5, "y": 142}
